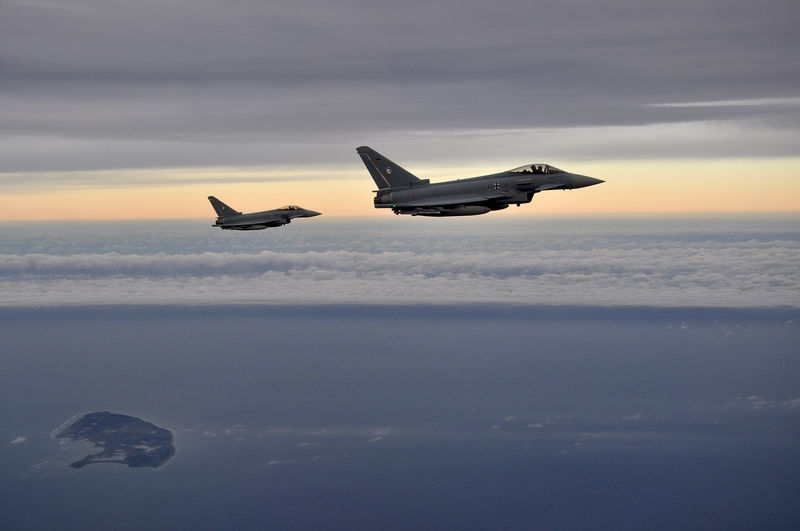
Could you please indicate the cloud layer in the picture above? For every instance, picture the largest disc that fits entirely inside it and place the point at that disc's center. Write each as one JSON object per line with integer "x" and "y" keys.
{"x": 93, "y": 85}
{"x": 587, "y": 269}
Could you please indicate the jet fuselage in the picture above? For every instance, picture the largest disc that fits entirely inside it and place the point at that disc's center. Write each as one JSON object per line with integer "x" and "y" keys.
{"x": 230, "y": 219}
{"x": 405, "y": 193}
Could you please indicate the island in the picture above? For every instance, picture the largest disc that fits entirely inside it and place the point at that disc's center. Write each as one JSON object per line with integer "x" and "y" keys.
{"x": 123, "y": 439}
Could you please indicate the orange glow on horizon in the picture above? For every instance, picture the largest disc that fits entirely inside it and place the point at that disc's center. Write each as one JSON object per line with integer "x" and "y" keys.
{"x": 633, "y": 187}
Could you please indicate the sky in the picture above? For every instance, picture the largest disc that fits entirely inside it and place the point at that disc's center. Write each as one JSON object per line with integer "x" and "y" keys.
{"x": 119, "y": 110}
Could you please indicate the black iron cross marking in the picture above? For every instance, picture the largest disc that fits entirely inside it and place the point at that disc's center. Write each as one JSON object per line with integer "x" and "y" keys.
{"x": 495, "y": 186}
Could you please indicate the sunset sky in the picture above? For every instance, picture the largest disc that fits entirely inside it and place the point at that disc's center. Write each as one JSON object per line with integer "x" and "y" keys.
{"x": 113, "y": 110}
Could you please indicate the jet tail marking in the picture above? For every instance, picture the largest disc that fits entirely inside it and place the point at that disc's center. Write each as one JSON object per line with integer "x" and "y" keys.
{"x": 386, "y": 173}
{"x": 221, "y": 208}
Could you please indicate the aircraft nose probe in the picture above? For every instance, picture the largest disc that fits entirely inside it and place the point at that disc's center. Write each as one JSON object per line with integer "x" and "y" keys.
{"x": 581, "y": 181}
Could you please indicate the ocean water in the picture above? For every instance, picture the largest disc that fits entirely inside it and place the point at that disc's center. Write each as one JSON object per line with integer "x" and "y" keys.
{"x": 533, "y": 374}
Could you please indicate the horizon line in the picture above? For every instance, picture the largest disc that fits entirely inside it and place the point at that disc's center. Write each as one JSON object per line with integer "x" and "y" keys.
{"x": 665, "y": 214}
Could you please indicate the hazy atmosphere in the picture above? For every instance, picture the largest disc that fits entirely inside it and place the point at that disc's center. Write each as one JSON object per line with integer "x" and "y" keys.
{"x": 453, "y": 373}
{"x": 621, "y": 356}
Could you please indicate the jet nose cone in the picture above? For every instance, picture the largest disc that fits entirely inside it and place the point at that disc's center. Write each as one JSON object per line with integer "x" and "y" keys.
{"x": 312, "y": 213}
{"x": 581, "y": 181}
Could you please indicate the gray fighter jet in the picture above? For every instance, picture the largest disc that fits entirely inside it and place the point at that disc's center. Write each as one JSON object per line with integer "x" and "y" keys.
{"x": 230, "y": 219}
{"x": 405, "y": 193}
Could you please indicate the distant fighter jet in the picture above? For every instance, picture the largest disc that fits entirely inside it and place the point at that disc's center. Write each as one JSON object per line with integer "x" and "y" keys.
{"x": 405, "y": 193}
{"x": 230, "y": 219}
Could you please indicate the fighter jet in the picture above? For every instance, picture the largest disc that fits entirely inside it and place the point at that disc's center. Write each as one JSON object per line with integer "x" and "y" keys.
{"x": 230, "y": 219}
{"x": 405, "y": 193}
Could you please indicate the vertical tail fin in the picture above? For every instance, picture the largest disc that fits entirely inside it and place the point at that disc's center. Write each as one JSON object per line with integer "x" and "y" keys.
{"x": 221, "y": 208}
{"x": 384, "y": 172}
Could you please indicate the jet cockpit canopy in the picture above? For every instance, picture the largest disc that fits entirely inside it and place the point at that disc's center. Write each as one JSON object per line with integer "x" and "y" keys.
{"x": 290, "y": 207}
{"x": 536, "y": 168}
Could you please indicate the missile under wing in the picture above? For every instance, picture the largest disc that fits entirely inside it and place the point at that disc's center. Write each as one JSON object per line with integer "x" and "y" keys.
{"x": 405, "y": 193}
{"x": 231, "y": 219}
